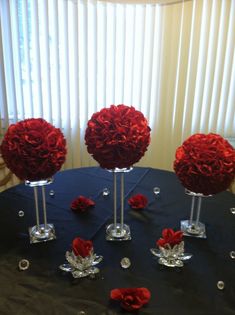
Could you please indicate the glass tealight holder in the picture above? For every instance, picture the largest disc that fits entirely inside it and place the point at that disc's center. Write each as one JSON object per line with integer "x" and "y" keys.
{"x": 81, "y": 267}
{"x": 171, "y": 256}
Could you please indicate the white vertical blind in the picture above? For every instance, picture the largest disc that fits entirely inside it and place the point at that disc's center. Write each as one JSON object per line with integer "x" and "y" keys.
{"x": 173, "y": 60}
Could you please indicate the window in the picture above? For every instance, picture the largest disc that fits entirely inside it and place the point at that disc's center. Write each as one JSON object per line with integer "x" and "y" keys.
{"x": 65, "y": 59}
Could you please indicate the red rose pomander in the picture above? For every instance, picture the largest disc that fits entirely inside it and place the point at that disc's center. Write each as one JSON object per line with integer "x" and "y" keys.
{"x": 33, "y": 149}
{"x": 205, "y": 163}
{"x": 117, "y": 137}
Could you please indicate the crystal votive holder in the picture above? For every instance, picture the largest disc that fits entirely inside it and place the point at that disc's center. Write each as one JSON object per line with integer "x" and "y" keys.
{"x": 81, "y": 267}
{"x": 171, "y": 256}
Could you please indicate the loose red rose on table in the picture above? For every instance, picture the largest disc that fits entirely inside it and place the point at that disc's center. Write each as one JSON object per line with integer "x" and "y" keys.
{"x": 81, "y": 204}
{"x": 33, "y": 149}
{"x": 138, "y": 201}
{"x": 205, "y": 163}
{"x": 117, "y": 137}
{"x": 169, "y": 236}
{"x": 82, "y": 247}
{"x": 131, "y": 299}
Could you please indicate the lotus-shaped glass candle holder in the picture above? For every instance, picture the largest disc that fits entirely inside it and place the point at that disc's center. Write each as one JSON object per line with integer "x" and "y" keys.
{"x": 81, "y": 267}
{"x": 171, "y": 256}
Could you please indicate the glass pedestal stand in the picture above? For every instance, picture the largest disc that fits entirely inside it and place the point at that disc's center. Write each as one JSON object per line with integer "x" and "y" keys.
{"x": 118, "y": 231}
{"x": 41, "y": 232}
{"x": 193, "y": 227}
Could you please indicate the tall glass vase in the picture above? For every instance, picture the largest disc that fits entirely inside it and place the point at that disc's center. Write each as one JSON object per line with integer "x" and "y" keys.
{"x": 45, "y": 231}
{"x": 193, "y": 227}
{"x": 118, "y": 230}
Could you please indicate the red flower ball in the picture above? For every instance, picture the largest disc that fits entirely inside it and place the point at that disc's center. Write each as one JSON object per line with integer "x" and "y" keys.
{"x": 131, "y": 299}
{"x": 81, "y": 204}
{"x": 170, "y": 237}
{"x": 33, "y": 149}
{"x": 138, "y": 201}
{"x": 117, "y": 137}
{"x": 82, "y": 247}
{"x": 205, "y": 163}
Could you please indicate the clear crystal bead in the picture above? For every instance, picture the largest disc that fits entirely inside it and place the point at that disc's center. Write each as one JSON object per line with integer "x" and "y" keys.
{"x": 21, "y": 213}
{"x": 156, "y": 191}
{"x": 23, "y": 264}
{"x": 106, "y": 192}
{"x": 232, "y": 210}
{"x": 52, "y": 193}
{"x": 81, "y": 313}
{"x": 125, "y": 263}
{"x": 232, "y": 254}
{"x": 220, "y": 285}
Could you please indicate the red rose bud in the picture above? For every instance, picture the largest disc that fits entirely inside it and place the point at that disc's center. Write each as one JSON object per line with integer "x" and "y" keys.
{"x": 138, "y": 201}
{"x": 205, "y": 163}
{"x": 33, "y": 149}
{"x": 81, "y": 204}
{"x": 131, "y": 299}
{"x": 170, "y": 237}
{"x": 117, "y": 137}
{"x": 81, "y": 247}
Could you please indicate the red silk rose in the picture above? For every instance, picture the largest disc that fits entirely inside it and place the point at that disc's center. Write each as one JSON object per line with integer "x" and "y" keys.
{"x": 131, "y": 299}
{"x": 117, "y": 137}
{"x": 33, "y": 149}
{"x": 138, "y": 201}
{"x": 170, "y": 237}
{"x": 81, "y": 247}
{"x": 205, "y": 163}
{"x": 81, "y": 204}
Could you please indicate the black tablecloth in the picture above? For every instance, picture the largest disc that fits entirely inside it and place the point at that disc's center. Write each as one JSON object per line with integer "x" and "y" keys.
{"x": 44, "y": 289}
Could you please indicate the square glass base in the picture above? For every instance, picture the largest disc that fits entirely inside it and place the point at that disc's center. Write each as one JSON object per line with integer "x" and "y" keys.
{"x": 118, "y": 232}
{"x": 192, "y": 229}
{"x": 42, "y": 233}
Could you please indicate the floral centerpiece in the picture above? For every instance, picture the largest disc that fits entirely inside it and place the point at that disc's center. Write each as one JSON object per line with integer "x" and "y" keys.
{"x": 205, "y": 163}
{"x": 33, "y": 149}
{"x": 171, "y": 248}
{"x": 117, "y": 137}
{"x": 81, "y": 259}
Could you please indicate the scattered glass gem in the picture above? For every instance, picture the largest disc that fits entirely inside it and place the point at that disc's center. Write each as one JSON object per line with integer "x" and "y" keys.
{"x": 156, "y": 191}
{"x": 23, "y": 264}
{"x": 125, "y": 263}
{"x": 232, "y": 254}
{"x": 81, "y": 313}
{"x": 21, "y": 213}
{"x": 52, "y": 193}
{"x": 106, "y": 192}
{"x": 232, "y": 210}
{"x": 220, "y": 285}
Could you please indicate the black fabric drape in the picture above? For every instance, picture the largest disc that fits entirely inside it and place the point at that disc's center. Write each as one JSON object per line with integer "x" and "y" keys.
{"x": 44, "y": 289}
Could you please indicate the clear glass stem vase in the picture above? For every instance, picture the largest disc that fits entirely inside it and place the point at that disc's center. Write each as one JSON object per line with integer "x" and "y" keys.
{"x": 118, "y": 230}
{"x": 41, "y": 232}
{"x": 193, "y": 227}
